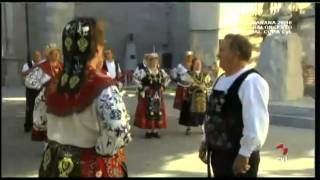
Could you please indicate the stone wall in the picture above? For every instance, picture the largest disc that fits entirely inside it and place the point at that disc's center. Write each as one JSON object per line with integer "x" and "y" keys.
{"x": 152, "y": 23}
{"x": 46, "y": 23}
{"x": 179, "y": 34}
{"x": 13, "y": 37}
{"x": 204, "y": 27}
{"x": 147, "y": 21}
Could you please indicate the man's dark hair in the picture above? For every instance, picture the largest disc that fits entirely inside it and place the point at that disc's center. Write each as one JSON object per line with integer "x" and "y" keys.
{"x": 241, "y": 44}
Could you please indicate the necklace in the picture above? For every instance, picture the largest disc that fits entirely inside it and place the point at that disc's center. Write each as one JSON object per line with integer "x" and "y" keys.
{"x": 55, "y": 69}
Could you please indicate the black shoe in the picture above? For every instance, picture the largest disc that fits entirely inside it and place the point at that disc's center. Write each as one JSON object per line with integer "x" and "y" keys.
{"x": 188, "y": 131}
{"x": 148, "y": 135}
{"x": 155, "y": 134}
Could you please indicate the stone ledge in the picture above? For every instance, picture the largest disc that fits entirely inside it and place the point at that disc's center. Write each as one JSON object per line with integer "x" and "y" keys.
{"x": 299, "y": 114}
{"x": 292, "y": 121}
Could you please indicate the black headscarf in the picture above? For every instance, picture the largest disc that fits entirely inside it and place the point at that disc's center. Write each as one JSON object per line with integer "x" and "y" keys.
{"x": 79, "y": 46}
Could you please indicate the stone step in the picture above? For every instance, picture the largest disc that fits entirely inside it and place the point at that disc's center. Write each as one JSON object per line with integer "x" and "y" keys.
{"x": 292, "y": 121}
{"x": 299, "y": 115}
{"x": 292, "y": 110}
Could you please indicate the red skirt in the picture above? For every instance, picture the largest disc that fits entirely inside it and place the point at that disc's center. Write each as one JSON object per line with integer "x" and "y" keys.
{"x": 70, "y": 161}
{"x": 39, "y": 135}
{"x": 181, "y": 94}
{"x": 141, "y": 119}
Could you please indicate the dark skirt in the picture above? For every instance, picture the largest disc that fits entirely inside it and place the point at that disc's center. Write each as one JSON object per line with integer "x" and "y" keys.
{"x": 181, "y": 94}
{"x": 31, "y": 95}
{"x": 70, "y": 161}
{"x": 188, "y": 118}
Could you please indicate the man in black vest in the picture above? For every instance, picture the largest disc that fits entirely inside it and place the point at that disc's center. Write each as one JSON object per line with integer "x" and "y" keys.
{"x": 31, "y": 94}
{"x": 238, "y": 118}
{"x": 112, "y": 67}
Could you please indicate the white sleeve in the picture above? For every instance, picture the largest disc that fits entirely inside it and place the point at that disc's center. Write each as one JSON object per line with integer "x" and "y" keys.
{"x": 254, "y": 95}
{"x": 113, "y": 121}
{"x": 119, "y": 68}
{"x": 174, "y": 73}
{"x": 25, "y": 68}
{"x": 138, "y": 75}
{"x": 166, "y": 77}
{"x": 186, "y": 80}
{"x": 181, "y": 69}
{"x": 36, "y": 78}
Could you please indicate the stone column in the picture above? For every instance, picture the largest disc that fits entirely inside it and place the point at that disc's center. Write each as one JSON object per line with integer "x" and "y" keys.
{"x": 204, "y": 27}
{"x": 13, "y": 41}
{"x": 46, "y": 22}
{"x": 210, "y": 22}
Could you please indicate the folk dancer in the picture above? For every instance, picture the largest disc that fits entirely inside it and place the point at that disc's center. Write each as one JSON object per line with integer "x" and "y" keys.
{"x": 151, "y": 113}
{"x": 112, "y": 67}
{"x": 195, "y": 105}
{"x": 38, "y": 79}
{"x": 182, "y": 87}
{"x": 88, "y": 124}
{"x": 238, "y": 118}
{"x": 31, "y": 94}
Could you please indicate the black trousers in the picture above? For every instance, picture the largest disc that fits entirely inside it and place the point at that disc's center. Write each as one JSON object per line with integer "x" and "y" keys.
{"x": 31, "y": 95}
{"x": 222, "y": 162}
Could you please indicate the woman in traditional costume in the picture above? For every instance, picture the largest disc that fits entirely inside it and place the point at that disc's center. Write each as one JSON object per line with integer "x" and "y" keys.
{"x": 31, "y": 93}
{"x": 182, "y": 87}
{"x": 88, "y": 125}
{"x": 39, "y": 78}
{"x": 195, "y": 106}
{"x": 151, "y": 113}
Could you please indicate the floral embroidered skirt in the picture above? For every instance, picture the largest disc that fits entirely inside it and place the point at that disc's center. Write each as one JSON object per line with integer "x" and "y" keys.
{"x": 181, "y": 93}
{"x": 70, "y": 161}
{"x": 39, "y": 127}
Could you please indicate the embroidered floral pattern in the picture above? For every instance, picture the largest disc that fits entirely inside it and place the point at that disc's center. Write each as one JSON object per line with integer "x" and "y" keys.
{"x": 113, "y": 121}
{"x": 39, "y": 112}
{"x": 36, "y": 78}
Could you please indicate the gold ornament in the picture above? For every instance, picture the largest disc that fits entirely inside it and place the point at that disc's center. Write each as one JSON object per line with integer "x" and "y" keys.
{"x": 198, "y": 102}
{"x": 83, "y": 44}
{"x": 64, "y": 79}
{"x": 65, "y": 166}
{"x": 74, "y": 80}
{"x": 68, "y": 43}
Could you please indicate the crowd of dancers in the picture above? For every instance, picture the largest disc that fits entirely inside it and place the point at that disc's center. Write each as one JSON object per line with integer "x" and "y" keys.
{"x": 75, "y": 105}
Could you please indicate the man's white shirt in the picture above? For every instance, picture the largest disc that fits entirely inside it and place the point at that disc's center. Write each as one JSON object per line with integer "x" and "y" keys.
{"x": 112, "y": 68}
{"x": 25, "y": 67}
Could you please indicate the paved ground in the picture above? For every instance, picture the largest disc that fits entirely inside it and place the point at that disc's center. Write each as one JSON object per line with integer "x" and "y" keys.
{"x": 174, "y": 155}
